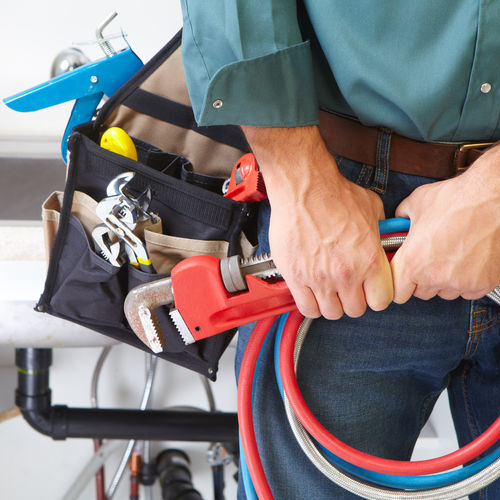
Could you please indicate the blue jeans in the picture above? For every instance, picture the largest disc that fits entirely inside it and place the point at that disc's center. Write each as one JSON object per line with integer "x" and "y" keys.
{"x": 373, "y": 381}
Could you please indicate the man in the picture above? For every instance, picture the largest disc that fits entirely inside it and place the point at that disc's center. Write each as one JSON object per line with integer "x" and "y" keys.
{"x": 424, "y": 74}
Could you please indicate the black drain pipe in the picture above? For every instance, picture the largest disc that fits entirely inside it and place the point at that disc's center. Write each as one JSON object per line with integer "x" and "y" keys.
{"x": 33, "y": 397}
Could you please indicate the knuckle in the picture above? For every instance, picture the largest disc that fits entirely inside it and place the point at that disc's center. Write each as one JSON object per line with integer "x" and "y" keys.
{"x": 472, "y": 295}
{"x": 373, "y": 260}
{"x": 332, "y": 311}
{"x": 308, "y": 311}
{"x": 354, "y": 304}
{"x": 319, "y": 275}
{"x": 425, "y": 294}
{"x": 448, "y": 294}
{"x": 343, "y": 273}
{"x": 356, "y": 312}
{"x": 333, "y": 315}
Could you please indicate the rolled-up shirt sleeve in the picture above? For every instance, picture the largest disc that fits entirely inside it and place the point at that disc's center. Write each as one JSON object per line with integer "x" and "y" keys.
{"x": 247, "y": 64}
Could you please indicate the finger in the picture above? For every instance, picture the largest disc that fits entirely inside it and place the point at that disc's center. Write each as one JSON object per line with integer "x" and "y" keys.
{"x": 305, "y": 300}
{"x": 378, "y": 286}
{"x": 425, "y": 293}
{"x": 353, "y": 301}
{"x": 378, "y": 204}
{"x": 448, "y": 294}
{"x": 475, "y": 295}
{"x": 380, "y": 211}
{"x": 404, "y": 287}
{"x": 329, "y": 305}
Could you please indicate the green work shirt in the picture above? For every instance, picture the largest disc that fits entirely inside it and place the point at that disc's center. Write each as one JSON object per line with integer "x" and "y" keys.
{"x": 427, "y": 69}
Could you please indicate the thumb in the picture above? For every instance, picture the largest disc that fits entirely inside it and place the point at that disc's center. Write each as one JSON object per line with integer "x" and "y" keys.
{"x": 404, "y": 208}
{"x": 378, "y": 205}
{"x": 403, "y": 286}
{"x": 381, "y": 212}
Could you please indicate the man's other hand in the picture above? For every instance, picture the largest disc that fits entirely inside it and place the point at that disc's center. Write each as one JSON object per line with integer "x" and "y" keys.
{"x": 453, "y": 247}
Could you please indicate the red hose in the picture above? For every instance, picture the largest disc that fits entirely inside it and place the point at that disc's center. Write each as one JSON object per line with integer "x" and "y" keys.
{"x": 356, "y": 457}
{"x": 245, "y": 421}
{"x": 100, "y": 491}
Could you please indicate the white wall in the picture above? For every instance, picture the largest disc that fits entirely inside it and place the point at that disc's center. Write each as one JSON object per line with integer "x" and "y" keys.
{"x": 33, "y": 33}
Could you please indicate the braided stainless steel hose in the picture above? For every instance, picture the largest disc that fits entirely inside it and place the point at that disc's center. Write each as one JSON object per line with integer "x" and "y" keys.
{"x": 452, "y": 492}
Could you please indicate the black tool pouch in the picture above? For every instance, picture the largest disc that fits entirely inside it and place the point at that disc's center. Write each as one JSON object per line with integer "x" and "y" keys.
{"x": 185, "y": 167}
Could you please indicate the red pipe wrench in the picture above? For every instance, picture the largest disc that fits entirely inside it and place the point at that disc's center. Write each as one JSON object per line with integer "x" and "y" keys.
{"x": 207, "y": 295}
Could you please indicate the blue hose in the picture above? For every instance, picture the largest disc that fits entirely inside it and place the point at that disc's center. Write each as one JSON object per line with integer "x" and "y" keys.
{"x": 245, "y": 474}
{"x": 250, "y": 492}
{"x": 395, "y": 225}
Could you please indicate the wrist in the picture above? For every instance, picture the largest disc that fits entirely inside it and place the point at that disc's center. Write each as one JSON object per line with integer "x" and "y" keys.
{"x": 292, "y": 152}
{"x": 486, "y": 170}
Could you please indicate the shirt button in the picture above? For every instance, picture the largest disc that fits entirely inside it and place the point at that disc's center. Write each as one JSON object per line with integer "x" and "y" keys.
{"x": 217, "y": 104}
{"x": 485, "y": 87}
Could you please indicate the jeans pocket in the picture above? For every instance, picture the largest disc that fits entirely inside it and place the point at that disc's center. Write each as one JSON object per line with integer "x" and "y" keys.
{"x": 356, "y": 172}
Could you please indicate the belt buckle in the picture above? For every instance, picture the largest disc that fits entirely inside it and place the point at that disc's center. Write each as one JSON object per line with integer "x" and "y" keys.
{"x": 461, "y": 165}
{"x": 475, "y": 145}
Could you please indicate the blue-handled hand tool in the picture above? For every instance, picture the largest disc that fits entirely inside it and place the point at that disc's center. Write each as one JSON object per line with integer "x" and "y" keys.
{"x": 87, "y": 84}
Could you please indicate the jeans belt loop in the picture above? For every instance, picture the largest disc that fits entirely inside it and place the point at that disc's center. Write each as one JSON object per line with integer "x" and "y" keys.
{"x": 381, "y": 172}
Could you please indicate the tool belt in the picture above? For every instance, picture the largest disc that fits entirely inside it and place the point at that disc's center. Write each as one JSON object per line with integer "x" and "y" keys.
{"x": 185, "y": 167}
{"x": 348, "y": 138}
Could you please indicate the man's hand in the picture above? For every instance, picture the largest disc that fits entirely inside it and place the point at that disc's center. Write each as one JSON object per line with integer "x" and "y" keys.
{"x": 453, "y": 247}
{"x": 324, "y": 235}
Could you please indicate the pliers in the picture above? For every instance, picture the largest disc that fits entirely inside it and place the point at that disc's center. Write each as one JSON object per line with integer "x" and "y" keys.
{"x": 121, "y": 212}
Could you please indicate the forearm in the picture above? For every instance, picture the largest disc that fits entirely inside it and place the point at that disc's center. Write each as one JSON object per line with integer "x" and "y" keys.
{"x": 323, "y": 233}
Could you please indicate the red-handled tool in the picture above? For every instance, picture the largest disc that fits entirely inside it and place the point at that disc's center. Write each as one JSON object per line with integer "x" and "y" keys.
{"x": 246, "y": 183}
{"x": 210, "y": 295}
{"x": 199, "y": 314}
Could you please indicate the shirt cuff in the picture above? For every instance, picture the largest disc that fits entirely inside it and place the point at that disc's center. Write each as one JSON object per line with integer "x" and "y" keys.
{"x": 275, "y": 90}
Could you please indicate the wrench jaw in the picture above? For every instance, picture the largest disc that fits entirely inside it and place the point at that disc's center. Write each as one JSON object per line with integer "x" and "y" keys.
{"x": 115, "y": 187}
{"x": 139, "y": 307}
{"x": 121, "y": 212}
{"x": 198, "y": 314}
{"x": 151, "y": 329}
{"x": 122, "y": 202}
{"x": 110, "y": 251}
{"x": 140, "y": 205}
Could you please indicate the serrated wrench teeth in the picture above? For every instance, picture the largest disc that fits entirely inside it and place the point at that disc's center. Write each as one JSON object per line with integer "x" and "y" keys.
{"x": 259, "y": 265}
{"x": 181, "y": 326}
{"x": 149, "y": 323}
{"x": 103, "y": 245}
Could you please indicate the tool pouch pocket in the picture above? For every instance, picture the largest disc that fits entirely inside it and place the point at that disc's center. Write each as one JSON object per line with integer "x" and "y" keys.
{"x": 82, "y": 286}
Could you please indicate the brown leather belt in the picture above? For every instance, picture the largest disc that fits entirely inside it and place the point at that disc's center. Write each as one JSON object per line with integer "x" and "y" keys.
{"x": 349, "y": 138}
